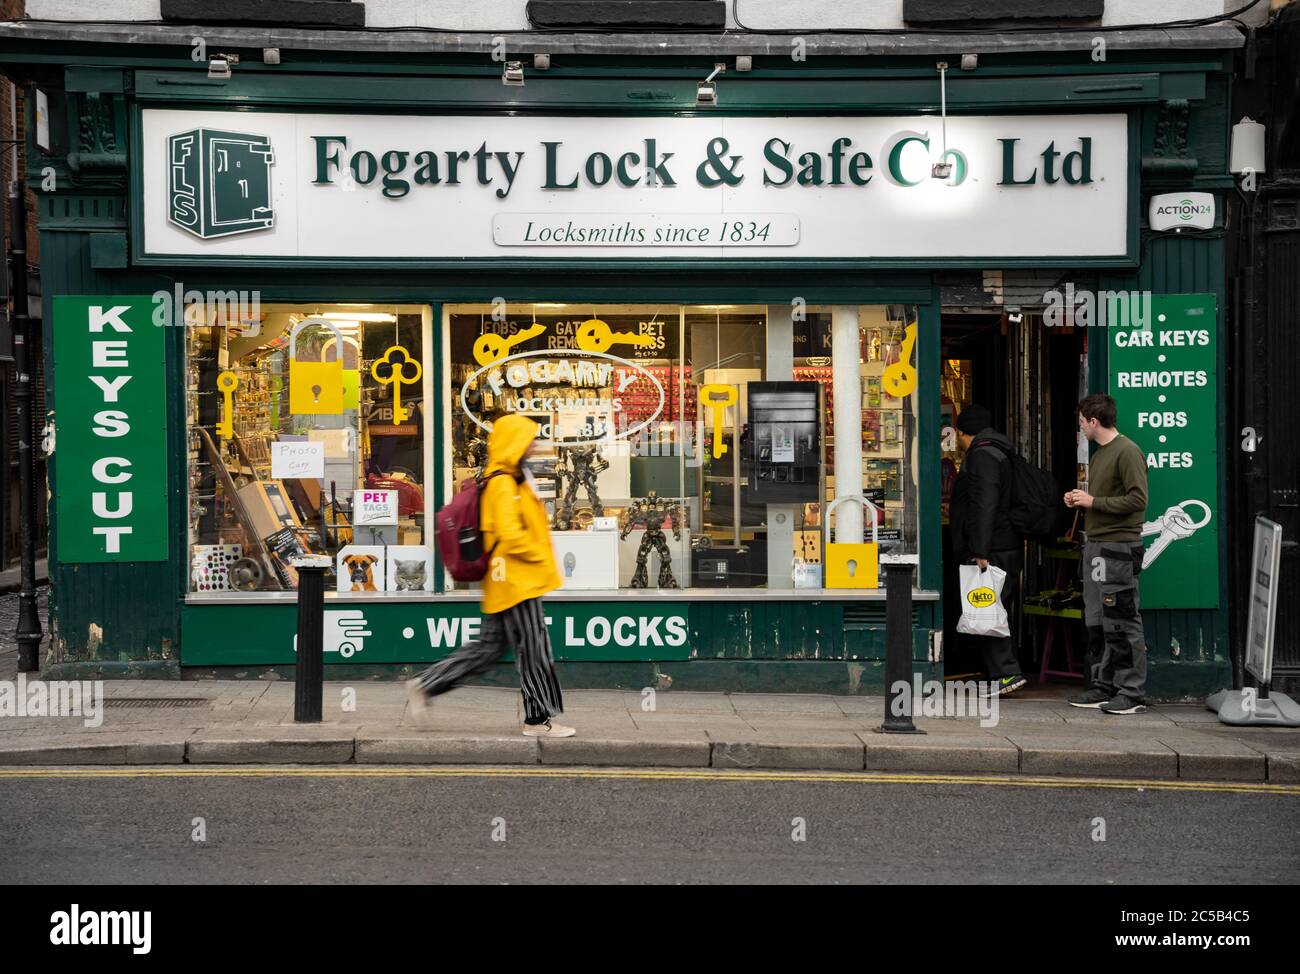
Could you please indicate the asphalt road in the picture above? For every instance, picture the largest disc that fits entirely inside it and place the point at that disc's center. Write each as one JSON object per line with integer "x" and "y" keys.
{"x": 324, "y": 826}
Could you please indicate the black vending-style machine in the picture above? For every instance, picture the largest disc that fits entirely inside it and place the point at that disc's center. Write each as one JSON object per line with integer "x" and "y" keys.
{"x": 782, "y": 454}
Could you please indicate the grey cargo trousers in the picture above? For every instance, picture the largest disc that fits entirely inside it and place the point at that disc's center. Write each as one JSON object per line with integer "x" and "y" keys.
{"x": 1117, "y": 649}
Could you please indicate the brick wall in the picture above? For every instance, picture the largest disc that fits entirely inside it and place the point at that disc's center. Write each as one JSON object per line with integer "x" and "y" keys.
{"x": 13, "y": 162}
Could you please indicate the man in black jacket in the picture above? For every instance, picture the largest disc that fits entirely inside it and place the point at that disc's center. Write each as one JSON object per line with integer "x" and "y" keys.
{"x": 982, "y": 531}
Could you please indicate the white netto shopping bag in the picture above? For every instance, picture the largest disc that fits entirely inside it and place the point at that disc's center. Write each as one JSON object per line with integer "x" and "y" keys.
{"x": 982, "y": 613}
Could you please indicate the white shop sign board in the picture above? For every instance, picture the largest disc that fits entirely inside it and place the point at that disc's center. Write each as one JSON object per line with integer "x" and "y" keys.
{"x": 312, "y": 206}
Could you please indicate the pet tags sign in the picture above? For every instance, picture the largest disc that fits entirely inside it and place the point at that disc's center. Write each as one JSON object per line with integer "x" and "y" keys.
{"x": 375, "y": 507}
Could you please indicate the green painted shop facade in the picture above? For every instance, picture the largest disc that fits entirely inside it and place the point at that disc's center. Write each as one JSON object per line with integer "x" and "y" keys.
{"x": 116, "y": 617}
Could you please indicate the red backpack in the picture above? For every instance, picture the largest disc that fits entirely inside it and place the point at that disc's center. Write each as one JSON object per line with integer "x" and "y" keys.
{"x": 459, "y": 537}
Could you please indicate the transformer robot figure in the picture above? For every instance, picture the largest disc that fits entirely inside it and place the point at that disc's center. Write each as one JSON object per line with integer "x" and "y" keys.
{"x": 652, "y": 510}
{"x": 476, "y": 454}
{"x": 580, "y": 466}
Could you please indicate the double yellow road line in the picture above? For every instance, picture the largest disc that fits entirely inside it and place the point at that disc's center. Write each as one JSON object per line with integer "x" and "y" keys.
{"x": 650, "y": 774}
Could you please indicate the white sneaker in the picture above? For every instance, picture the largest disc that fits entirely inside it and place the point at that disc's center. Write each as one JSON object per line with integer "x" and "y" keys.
{"x": 548, "y": 729}
{"x": 420, "y": 703}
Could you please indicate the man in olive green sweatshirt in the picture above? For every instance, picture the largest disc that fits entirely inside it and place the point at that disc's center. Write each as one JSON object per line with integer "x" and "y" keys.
{"x": 1116, "y": 503}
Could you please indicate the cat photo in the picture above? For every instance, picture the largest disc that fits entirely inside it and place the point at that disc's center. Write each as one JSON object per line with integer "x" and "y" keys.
{"x": 408, "y": 576}
{"x": 410, "y": 568}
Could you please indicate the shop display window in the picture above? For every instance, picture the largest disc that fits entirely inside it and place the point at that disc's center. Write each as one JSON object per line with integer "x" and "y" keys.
{"x": 307, "y": 436}
{"x": 691, "y": 446}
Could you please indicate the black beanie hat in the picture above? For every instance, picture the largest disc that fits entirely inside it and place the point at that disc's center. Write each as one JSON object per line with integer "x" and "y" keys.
{"x": 974, "y": 419}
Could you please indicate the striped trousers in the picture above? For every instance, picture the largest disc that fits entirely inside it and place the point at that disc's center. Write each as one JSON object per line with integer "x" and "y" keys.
{"x": 521, "y": 627}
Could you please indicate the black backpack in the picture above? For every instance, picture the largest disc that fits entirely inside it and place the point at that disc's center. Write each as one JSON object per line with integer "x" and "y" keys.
{"x": 1036, "y": 505}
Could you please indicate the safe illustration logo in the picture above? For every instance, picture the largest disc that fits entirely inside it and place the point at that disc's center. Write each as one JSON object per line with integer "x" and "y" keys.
{"x": 219, "y": 183}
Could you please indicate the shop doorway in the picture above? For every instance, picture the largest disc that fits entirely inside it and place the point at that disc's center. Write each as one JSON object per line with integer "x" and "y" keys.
{"x": 1030, "y": 377}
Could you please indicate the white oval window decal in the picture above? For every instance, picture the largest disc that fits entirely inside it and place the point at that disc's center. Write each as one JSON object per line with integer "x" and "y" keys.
{"x": 530, "y": 369}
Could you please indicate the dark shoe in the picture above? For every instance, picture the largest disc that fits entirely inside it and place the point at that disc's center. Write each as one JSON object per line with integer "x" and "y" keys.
{"x": 1120, "y": 704}
{"x": 1092, "y": 699}
{"x": 1007, "y": 684}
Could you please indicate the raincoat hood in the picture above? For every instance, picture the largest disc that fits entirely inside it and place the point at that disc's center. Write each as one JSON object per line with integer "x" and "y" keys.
{"x": 508, "y": 442}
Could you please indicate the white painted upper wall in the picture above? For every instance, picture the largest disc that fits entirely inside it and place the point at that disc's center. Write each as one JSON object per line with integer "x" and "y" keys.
{"x": 810, "y": 15}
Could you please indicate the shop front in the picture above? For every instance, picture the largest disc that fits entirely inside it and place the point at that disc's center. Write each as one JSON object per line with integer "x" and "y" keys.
{"x": 730, "y": 325}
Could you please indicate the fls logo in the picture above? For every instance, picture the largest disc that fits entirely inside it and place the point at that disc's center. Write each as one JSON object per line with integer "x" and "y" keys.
{"x": 219, "y": 183}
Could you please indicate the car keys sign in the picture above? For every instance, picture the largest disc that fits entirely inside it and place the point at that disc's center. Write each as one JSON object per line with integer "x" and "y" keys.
{"x": 1164, "y": 380}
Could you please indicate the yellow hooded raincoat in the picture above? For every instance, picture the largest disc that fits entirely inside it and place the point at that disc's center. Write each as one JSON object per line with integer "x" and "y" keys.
{"x": 522, "y": 565}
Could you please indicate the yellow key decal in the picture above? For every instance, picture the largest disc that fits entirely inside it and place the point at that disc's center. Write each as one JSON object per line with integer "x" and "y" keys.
{"x": 491, "y": 348}
{"x": 227, "y": 382}
{"x": 718, "y": 397}
{"x": 397, "y": 377}
{"x": 899, "y": 379}
{"x": 595, "y": 335}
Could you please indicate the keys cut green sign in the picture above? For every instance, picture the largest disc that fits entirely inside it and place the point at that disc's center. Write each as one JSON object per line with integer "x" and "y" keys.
{"x": 110, "y": 443}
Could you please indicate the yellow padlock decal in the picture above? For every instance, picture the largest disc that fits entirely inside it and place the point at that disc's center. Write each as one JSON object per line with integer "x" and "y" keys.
{"x": 852, "y": 565}
{"x": 315, "y": 387}
{"x": 351, "y": 371}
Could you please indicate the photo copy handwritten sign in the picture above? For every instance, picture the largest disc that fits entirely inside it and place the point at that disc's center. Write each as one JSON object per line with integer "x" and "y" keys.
{"x": 290, "y": 461}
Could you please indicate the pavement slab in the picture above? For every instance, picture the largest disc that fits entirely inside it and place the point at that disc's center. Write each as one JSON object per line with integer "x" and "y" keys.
{"x": 784, "y": 704}
{"x": 713, "y": 727}
{"x": 1092, "y": 755}
{"x": 806, "y": 750}
{"x": 666, "y": 702}
{"x": 302, "y": 744}
{"x": 382, "y": 745}
{"x": 683, "y": 752}
{"x": 968, "y": 752}
{"x": 1203, "y": 757}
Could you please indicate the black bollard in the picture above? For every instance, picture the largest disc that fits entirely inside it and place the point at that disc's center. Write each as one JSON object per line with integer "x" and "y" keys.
{"x": 309, "y": 673}
{"x": 898, "y": 644}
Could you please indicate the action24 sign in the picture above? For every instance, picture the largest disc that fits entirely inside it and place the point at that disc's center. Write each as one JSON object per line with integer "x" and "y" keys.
{"x": 110, "y": 445}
